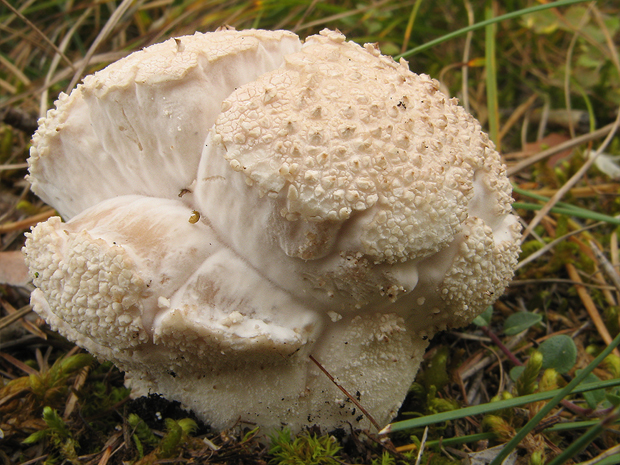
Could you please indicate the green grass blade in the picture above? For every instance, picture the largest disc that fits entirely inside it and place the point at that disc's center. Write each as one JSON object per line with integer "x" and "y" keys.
{"x": 497, "y": 19}
{"x": 585, "y": 214}
{"x": 562, "y": 208}
{"x": 491, "y": 75}
{"x": 611, "y": 460}
{"x": 491, "y": 407}
{"x": 542, "y": 198}
{"x": 461, "y": 439}
{"x": 570, "y": 387}
{"x": 577, "y": 446}
{"x": 568, "y": 426}
{"x": 572, "y": 425}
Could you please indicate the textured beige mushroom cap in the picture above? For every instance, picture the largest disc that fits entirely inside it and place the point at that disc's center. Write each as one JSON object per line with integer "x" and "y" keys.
{"x": 147, "y": 113}
{"x": 341, "y": 132}
{"x": 389, "y": 192}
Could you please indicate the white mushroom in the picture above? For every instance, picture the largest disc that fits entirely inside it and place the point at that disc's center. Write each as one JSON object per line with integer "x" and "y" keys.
{"x": 341, "y": 207}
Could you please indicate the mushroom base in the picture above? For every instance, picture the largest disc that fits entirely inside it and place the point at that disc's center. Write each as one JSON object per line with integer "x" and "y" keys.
{"x": 376, "y": 366}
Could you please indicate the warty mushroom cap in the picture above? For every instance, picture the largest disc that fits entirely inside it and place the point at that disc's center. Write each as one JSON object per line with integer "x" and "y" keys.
{"x": 340, "y": 207}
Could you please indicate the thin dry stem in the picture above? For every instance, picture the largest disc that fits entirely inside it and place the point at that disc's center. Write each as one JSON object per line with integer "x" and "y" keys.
{"x": 28, "y": 222}
{"x": 571, "y": 182}
{"x": 103, "y": 34}
{"x": 590, "y": 306}
{"x": 569, "y": 144}
{"x": 346, "y": 393}
{"x": 38, "y": 31}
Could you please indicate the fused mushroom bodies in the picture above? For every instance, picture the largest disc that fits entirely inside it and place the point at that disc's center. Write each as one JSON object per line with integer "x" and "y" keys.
{"x": 348, "y": 211}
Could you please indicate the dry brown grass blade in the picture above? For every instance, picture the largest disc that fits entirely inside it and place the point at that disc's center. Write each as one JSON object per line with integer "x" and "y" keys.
{"x": 16, "y": 166}
{"x": 28, "y": 222}
{"x": 307, "y": 11}
{"x": 27, "y": 325}
{"x": 106, "y": 456}
{"x": 80, "y": 380}
{"x": 569, "y": 144}
{"x": 103, "y": 34}
{"x": 477, "y": 363}
{"x": 516, "y": 115}
{"x": 590, "y": 306}
{"x": 601, "y": 263}
{"x": 599, "y": 458}
{"x": 7, "y": 87}
{"x": 571, "y": 182}
{"x": 36, "y": 460}
{"x": 548, "y": 247}
{"x": 18, "y": 364}
{"x": 340, "y": 16}
{"x": 582, "y": 191}
{"x": 15, "y": 70}
{"x": 38, "y": 31}
{"x": 14, "y": 316}
{"x": 43, "y": 106}
{"x": 606, "y": 265}
{"x": 105, "y": 58}
{"x": 466, "y": 54}
{"x": 567, "y": 68}
{"x": 346, "y": 393}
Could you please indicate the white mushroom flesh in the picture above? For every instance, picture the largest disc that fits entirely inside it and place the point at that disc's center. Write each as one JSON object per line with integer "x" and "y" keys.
{"x": 147, "y": 113}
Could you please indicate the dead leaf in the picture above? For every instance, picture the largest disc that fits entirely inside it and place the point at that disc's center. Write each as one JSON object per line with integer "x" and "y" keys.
{"x": 13, "y": 269}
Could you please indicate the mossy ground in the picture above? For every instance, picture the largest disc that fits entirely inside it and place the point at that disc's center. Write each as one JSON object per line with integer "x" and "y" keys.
{"x": 521, "y": 78}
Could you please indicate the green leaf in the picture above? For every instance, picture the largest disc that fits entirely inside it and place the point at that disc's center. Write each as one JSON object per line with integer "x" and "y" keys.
{"x": 613, "y": 399}
{"x": 142, "y": 431}
{"x": 138, "y": 444}
{"x": 520, "y": 321}
{"x": 593, "y": 398}
{"x": 575, "y": 16}
{"x": 36, "y": 437}
{"x": 74, "y": 363}
{"x": 611, "y": 460}
{"x": 559, "y": 352}
{"x": 515, "y": 372}
{"x": 250, "y": 434}
{"x": 541, "y": 22}
{"x": 436, "y": 372}
{"x": 484, "y": 319}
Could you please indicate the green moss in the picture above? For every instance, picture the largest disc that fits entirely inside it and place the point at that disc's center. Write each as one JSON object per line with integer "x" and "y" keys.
{"x": 306, "y": 449}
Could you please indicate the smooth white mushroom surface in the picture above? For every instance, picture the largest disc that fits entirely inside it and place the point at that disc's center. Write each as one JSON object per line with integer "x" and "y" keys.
{"x": 236, "y": 202}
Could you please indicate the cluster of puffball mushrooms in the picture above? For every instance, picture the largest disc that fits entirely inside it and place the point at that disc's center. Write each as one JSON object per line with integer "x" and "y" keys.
{"x": 238, "y": 202}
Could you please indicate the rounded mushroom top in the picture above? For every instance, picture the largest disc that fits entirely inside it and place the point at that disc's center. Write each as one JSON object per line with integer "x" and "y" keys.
{"x": 340, "y": 131}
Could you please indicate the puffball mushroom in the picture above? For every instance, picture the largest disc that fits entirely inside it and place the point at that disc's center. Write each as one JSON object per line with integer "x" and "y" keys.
{"x": 236, "y": 202}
